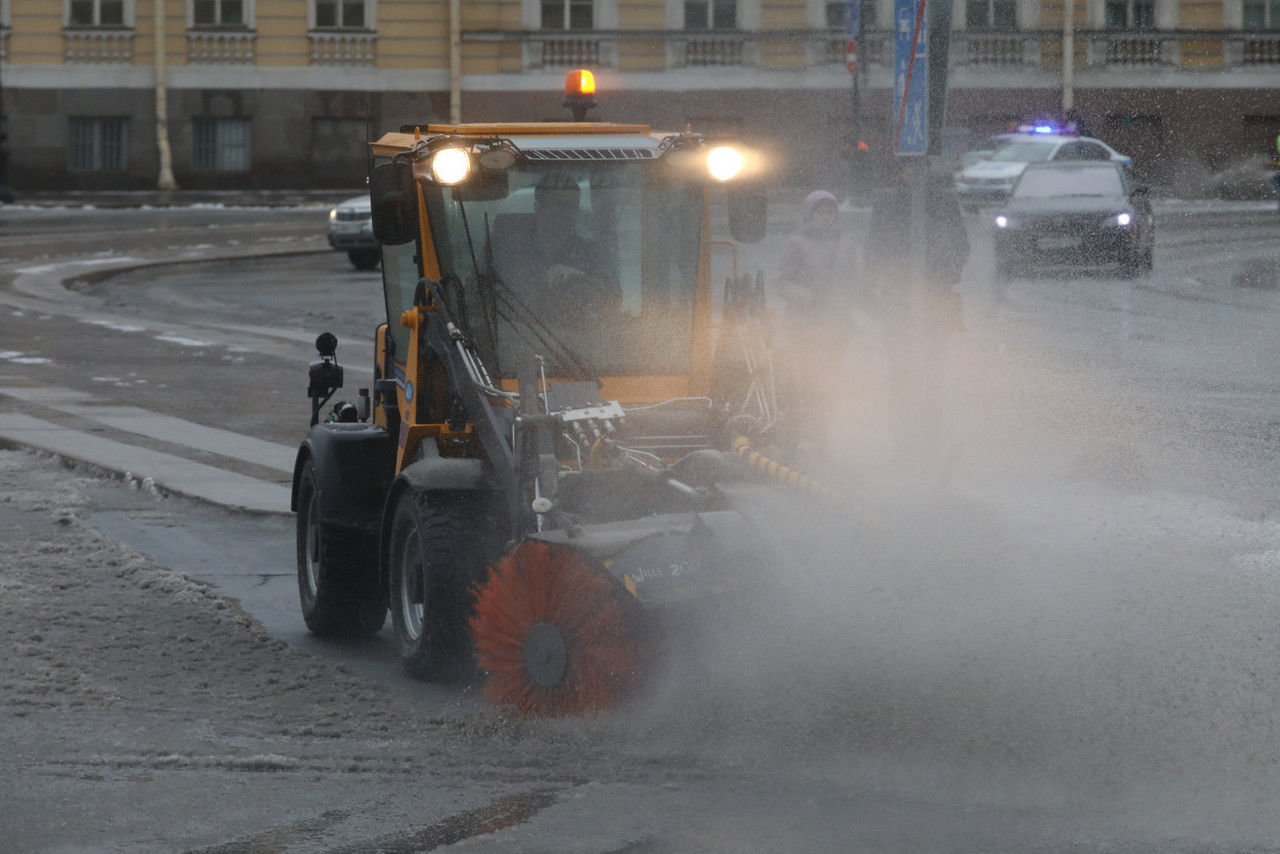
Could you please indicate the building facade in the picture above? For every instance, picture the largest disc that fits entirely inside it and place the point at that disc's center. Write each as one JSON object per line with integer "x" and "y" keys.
{"x": 284, "y": 93}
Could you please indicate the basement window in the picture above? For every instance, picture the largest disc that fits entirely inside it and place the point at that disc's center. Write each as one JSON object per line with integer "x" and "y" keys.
{"x": 97, "y": 144}
{"x": 219, "y": 145}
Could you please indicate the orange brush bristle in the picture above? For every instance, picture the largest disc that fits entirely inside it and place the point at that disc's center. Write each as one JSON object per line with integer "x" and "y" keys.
{"x": 539, "y": 584}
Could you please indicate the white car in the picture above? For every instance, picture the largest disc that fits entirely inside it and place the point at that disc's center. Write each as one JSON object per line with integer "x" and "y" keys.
{"x": 990, "y": 181}
{"x": 351, "y": 231}
{"x": 983, "y": 149}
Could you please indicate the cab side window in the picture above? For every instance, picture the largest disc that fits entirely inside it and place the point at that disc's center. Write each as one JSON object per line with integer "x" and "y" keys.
{"x": 400, "y": 280}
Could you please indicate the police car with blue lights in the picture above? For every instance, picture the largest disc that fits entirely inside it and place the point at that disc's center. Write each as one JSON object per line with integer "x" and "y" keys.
{"x": 990, "y": 181}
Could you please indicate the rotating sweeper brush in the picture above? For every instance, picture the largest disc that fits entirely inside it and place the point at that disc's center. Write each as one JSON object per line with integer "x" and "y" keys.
{"x": 553, "y": 632}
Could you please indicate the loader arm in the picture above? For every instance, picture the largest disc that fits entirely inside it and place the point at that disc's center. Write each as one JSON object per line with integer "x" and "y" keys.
{"x": 469, "y": 383}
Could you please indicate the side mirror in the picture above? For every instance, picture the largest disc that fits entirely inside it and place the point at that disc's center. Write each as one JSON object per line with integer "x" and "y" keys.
{"x": 393, "y": 196}
{"x": 748, "y": 214}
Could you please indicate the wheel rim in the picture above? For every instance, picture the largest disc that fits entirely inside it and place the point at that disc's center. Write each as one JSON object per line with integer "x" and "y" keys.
{"x": 312, "y": 556}
{"x": 412, "y": 594}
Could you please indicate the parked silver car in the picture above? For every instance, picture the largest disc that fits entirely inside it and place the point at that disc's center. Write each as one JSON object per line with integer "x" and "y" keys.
{"x": 351, "y": 231}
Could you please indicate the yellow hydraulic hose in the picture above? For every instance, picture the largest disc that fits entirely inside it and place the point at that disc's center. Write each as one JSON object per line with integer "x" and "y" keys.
{"x": 794, "y": 480}
{"x": 782, "y": 474}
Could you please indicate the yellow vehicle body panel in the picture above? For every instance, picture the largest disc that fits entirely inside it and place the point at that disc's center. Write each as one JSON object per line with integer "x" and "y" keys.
{"x": 395, "y": 142}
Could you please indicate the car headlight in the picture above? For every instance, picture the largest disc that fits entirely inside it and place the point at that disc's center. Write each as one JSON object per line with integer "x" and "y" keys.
{"x": 450, "y": 166}
{"x": 1002, "y": 221}
{"x": 333, "y": 214}
{"x": 724, "y": 162}
{"x": 1123, "y": 220}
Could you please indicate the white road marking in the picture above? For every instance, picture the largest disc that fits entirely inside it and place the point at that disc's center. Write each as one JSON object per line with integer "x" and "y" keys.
{"x": 183, "y": 342}
{"x": 20, "y": 358}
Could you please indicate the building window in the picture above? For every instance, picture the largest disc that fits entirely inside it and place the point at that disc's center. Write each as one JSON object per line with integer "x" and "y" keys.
{"x": 1131, "y": 14}
{"x": 96, "y": 13}
{"x": 713, "y": 15}
{"x": 991, "y": 14}
{"x": 218, "y": 13}
{"x": 345, "y": 14}
{"x": 568, "y": 14}
{"x": 97, "y": 144}
{"x": 1261, "y": 14}
{"x": 220, "y": 145}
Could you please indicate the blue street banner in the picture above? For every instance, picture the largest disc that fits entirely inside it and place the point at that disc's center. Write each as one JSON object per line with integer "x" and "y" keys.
{"x": 910, "y": 78}
{"x": 853, "y": 19}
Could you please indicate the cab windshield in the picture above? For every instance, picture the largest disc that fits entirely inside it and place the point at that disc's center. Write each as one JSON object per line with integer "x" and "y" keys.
{"x": 590, "y": 265}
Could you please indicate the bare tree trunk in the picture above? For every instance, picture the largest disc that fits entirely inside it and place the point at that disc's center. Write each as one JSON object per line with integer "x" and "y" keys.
{"x": 165, "y": 180}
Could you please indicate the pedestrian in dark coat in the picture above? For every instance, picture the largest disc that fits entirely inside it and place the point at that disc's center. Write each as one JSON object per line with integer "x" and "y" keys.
{"x": 888, "y": 253}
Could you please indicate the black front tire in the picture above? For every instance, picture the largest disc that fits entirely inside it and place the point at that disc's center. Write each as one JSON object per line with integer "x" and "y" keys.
{"x": 364, "y": 259}
{"x": 436, "y": 556}
{"x": 337, "y": 571}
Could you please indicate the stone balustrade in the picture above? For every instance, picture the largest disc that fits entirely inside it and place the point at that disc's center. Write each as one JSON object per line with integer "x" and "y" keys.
{"x": 98, "y": 46}
{"x": 220, "y": 47}
{"x": 976, "y": 49}
{"x": 343, "y": 47}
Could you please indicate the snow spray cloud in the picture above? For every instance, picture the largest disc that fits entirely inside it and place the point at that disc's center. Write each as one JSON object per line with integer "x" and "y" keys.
{"x": 1031, "y": 602}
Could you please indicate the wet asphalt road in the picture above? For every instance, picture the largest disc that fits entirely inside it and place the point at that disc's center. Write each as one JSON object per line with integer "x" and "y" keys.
{"x": 959, "y": 680}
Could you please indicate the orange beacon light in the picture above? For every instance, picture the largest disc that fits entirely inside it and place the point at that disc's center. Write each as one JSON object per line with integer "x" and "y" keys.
{"x": 579, "y": 92}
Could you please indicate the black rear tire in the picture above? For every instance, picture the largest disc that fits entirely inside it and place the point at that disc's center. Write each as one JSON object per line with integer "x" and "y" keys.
{"x": 437, "y": 554}
{"x": 364, "y": 259}
{"x": 337, "y": 571}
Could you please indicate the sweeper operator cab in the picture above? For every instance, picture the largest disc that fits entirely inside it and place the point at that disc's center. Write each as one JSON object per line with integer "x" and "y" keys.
{"x": 555, "y": 400}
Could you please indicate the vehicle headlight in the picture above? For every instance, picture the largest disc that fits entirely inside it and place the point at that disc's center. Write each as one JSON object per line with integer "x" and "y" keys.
{"x": 1002, "y": 221}
{"x": 1123, "y": 219}
{"x": 724, "y": 162}
{"x": 450, "y": 166}
{"x": 333, "y": 214}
